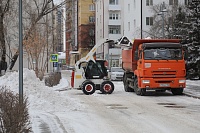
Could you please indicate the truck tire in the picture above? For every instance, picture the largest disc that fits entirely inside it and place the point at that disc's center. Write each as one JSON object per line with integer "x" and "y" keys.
{"x": 88, "y": 87}
{"x": 107, "y": 87}
{"x": 126, "y": 84}
{"x": 138, "y": 90}
{"x": 126, "y": 87}
{"x": 177, "y": 91}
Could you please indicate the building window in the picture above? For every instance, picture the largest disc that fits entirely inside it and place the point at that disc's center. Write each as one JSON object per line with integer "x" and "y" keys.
{"x": 92, "y": 42}
{"x": 173, "y": 2}
{"x": 149, "y": 21}
{"x": 113, "y": 16}
{"x": 113, "y": 2}
{"x": 134, "y": 4}
{"x": 128, "y": 7}
{"x": 91, "y": 19}
{"x": 149, "y": 2}
{"x": 186, "y": 2}
{"x": 114, "y": 29}
{"x": 134, "y": 23}
{"x": 91, "y": 32}
{"x": 170, "y": 20}
{"x": 92, "y": 7}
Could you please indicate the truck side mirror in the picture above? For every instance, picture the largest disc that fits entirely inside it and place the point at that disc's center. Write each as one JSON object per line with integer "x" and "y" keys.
{"x": 136, "y": 55}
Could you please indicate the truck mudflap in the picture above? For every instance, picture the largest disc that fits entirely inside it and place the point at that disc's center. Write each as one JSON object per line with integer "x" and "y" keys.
{"x": 151, "y": 83}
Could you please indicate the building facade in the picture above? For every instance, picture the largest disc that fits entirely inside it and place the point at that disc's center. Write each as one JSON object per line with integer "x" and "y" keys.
{"x": 130, "y": 18}
{"x": 86, "y": 27}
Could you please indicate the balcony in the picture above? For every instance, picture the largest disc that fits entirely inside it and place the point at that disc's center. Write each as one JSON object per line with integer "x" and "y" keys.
{"x": 114, "y": 7}
{"x": 114, "y": 22}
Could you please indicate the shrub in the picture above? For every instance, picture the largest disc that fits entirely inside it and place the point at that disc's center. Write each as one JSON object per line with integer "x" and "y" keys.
{"x": 53, "y": 79}
{"x": 14, "y": 117}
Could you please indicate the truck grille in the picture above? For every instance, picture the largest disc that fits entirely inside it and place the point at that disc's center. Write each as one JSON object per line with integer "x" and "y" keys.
{"x": 164, "y": 73}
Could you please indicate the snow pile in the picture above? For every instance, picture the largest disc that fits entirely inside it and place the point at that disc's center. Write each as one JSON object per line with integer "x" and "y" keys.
{"x": 40, "y": 96}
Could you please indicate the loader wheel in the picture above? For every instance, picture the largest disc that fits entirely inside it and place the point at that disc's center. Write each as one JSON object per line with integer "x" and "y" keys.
{"x": 107, "y": 87}
{"x": 177, "y": 91}
{"x": 88, "y": 87}
{"x": 138, "y": 90}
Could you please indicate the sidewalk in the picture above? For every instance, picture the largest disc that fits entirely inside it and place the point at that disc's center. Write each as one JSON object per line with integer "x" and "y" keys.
{"x": 192, "y": 88}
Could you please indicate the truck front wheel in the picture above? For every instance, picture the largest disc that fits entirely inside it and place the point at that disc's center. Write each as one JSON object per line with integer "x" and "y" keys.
{"x": 88, "y": 87}
{"x": 177, "y": 91}
{"x": 138, "y": 90}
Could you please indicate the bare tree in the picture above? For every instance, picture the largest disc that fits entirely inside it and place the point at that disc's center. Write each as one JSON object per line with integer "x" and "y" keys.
{"x": 4, "y": 11}
{"x": 35, "y": 11}
{"x": 167, "y": 21}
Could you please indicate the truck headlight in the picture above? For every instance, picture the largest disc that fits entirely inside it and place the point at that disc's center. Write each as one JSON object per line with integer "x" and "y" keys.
{"x": 182, "y": 81}
{"x": 145, "y": 81}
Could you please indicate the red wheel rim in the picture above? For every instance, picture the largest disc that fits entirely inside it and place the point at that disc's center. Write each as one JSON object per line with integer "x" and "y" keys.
{"x": 107, "y": 87}
{"x": 88, "y": 87}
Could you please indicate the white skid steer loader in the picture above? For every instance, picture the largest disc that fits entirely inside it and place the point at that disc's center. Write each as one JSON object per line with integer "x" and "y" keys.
{"x": 90, "y": 74}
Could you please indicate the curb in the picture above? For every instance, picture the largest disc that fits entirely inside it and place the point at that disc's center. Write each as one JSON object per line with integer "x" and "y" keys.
{"x": 191, "y": 95}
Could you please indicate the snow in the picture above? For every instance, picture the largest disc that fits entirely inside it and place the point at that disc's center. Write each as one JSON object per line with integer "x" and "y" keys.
{"x": 42, "y": 99}
{"x": 52, "y": 109}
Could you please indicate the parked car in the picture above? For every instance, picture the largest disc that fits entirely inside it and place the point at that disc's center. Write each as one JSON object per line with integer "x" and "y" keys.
{"x": 116, "y": 73}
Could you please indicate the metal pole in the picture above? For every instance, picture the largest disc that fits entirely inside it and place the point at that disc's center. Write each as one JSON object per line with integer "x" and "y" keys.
{"x": 47, "y": 28}
{"x": 141, "y": 20}
{"x": 20, "y": 54}
{"x": 163, "y": 24}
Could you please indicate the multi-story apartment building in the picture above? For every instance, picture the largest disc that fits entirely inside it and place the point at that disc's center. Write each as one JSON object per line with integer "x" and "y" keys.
{"x": 80, "y": 29}
{"x": 71, "y": 31}
{"x": 131, "y": 18}
{"x": 86, "y": 26}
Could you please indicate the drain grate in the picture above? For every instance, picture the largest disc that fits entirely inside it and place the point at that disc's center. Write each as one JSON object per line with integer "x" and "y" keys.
{"x": 171, "y": 105}
{"x": 175, "y": 106}
{"x": 116, "y": 106}
{"x": 166, "y": 104}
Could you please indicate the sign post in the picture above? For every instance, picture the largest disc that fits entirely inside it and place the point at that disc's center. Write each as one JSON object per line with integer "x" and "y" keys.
{"x": 54, "y": 59}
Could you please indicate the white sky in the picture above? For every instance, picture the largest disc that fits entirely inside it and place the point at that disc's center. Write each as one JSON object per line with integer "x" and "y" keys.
{"x": 54, "y": 108}
{"x": 57, "y": 1}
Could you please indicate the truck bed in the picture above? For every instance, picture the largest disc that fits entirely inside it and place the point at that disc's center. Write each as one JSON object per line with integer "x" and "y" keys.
{"x": 128, "y": 62}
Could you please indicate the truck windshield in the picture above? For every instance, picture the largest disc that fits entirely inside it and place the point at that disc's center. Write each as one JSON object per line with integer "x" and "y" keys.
{"x": 163, "y": 54}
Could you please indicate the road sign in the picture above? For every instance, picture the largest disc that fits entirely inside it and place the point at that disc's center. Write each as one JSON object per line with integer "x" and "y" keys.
{"x": 55, "y": 64}
{"x": 54, "y": 58}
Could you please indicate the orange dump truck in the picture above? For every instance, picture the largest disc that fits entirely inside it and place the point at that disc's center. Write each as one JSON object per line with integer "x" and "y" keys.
{"x": 154, "y": 64}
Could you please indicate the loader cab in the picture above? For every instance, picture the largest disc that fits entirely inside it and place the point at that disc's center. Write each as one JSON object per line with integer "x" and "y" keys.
{"x": 96, "y": 70}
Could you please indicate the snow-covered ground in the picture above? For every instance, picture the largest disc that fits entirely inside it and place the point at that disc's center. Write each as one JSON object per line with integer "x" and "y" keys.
{"x": 60, "y": 109}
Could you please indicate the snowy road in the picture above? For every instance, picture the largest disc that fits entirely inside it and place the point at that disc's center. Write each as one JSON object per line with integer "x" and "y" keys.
{"x": 119, "y": 112}
{"x": 126, "y": 113}
{"x": 70, "y": 111}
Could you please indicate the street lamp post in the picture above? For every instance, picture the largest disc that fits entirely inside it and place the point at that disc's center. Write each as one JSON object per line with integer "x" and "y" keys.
{"x": 161, "y": 12}
{"x": 20, "y": 54}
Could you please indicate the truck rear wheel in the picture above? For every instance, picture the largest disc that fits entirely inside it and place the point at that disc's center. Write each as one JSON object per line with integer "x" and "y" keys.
{"x": 177, "y": 91}
{"x": 88, "y": 87}
{"x": 138, "y": 90}
{"x": 107, "y": 87}
{"x": 126, "y": 84}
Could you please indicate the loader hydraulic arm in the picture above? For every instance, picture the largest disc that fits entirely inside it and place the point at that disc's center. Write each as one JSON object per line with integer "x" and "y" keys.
{"x": 89, "y": 56}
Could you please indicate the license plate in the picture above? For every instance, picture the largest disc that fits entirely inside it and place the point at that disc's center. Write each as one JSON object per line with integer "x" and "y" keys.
{"x": 164, "y": 85}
